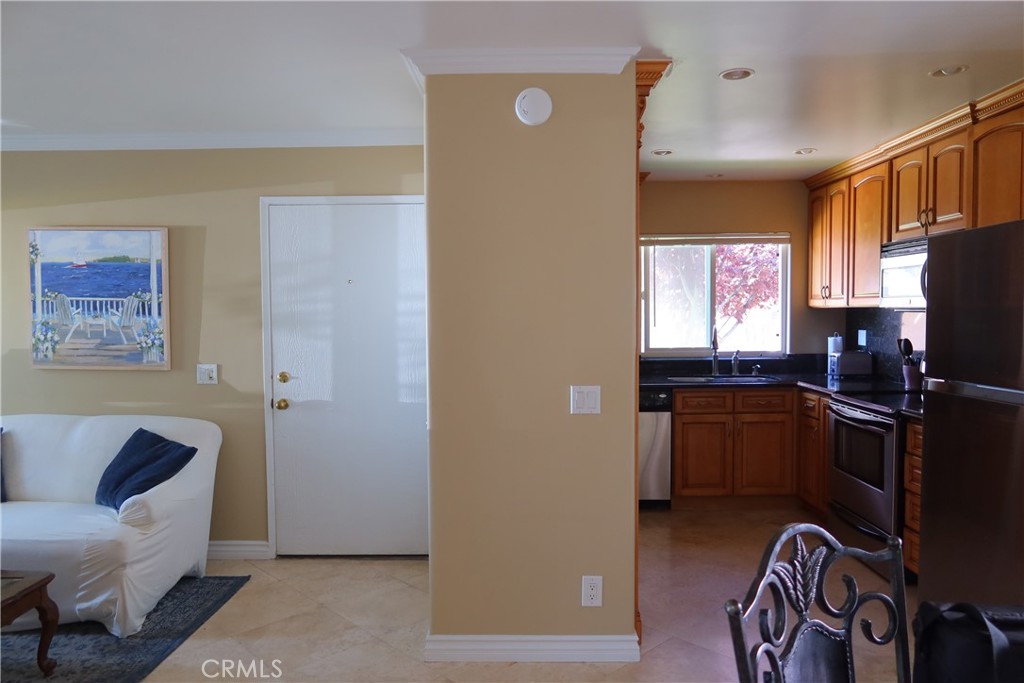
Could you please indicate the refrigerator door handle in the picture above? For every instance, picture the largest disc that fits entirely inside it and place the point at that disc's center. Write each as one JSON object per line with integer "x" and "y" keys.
{"x": 979, "y": 391}
{"x": 924, "y": 280}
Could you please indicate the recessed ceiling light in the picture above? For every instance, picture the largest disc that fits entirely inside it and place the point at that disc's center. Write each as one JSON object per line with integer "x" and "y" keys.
{"x": 804, "y": 151}
{"x": 661, "y": 152}
{"x": 737, "y": 74}
{"x": 952, "y": 70}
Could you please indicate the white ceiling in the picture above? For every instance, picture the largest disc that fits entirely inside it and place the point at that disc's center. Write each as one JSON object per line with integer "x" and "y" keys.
{"x": 838, "y": 76}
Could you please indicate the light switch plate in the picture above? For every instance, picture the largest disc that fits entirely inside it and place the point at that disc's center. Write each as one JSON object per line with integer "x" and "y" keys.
{"x": 206, "y": 373}
{"x": 584, "y": 399}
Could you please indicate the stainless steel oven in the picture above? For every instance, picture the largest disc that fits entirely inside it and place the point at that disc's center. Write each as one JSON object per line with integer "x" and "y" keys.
{"x": 863, "y": 474}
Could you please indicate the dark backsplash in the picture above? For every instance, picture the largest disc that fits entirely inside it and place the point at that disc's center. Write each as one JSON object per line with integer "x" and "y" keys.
{"x": 800, "y": 363}
{"x": 884, "y": 326}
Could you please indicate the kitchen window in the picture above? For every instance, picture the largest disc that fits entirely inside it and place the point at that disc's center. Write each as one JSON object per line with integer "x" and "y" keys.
{"x": 693, "y": 284}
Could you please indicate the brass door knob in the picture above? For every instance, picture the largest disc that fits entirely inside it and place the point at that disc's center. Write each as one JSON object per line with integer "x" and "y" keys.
{"x": 283, "y": 377}
{"x": 281, "y": 404}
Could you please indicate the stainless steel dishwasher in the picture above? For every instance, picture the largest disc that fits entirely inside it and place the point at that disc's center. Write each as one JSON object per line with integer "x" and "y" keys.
{"x": 655, "y": 445}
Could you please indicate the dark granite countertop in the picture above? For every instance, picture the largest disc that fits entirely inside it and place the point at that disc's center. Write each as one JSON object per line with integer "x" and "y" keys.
{"x": 877, "y": 391}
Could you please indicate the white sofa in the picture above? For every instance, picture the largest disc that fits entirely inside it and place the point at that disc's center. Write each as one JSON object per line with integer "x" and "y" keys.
{"x": 110, "y": 566}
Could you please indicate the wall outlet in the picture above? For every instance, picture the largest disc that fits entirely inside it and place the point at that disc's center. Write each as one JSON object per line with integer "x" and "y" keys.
{"x": 593, "y": 591}
{"x": 206, "y": 373}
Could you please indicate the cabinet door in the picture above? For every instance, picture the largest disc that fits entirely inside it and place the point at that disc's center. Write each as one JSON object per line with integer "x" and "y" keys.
{"x": 838, "y": 207}
{"x": 826, "y": 452}
{"x": 702, "y": 448}
{"x": 809, "y": 462}
{"x": 817, "y": 250}
{"x": 764, "y": 454}
{"x": 949, "y": 189}
{"x": 869, "y": 222}
{"x": 998, "y": 169}
{"x": 909, "y": 194}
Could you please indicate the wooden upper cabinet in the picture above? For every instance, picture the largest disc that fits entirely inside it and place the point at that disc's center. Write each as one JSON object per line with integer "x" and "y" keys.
{"x": 998, "y": 168}
{"x": 838, "y": 229}
{"x": 829, "y": 225}
{"x": 869, "y": 221}
{"x": 949, "y": 188}
{"x": 931, "y": 189}
{"x": 817, "y": 250}
{"x": 909, "y": 194}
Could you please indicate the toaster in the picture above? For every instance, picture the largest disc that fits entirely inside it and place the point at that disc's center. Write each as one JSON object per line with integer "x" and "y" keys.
{"x": 847, "y": 363}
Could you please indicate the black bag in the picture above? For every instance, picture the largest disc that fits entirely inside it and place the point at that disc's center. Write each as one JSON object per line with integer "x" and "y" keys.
{"x": 968, "y": 643}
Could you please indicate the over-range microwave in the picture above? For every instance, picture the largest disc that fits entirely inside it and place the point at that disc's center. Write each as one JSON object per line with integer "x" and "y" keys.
{"x": 904, "y": 275}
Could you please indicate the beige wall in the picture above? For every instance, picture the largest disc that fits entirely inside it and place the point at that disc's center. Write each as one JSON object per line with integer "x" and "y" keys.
{"x": 531, "y": 286}
{"x": 668, "y": 208}
{"x": 209, "y": 200}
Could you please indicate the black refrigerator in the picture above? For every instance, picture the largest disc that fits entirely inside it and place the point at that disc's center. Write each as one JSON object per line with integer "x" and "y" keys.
{"x": 972, "y": 490}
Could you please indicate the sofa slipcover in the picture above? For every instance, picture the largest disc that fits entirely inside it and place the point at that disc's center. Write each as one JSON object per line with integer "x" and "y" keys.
{"x": 109, "y": 565}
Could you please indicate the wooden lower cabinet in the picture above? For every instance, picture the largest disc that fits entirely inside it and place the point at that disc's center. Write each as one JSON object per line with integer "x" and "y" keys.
{"x": 744, "y": 448}
{"x": 812, "y": 450}
{"x": 702, "y": 450}
{"x": 763, "y": 455}
{"x": 912, "y": 468}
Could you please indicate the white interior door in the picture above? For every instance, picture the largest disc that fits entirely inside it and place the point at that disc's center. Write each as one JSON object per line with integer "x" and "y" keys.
{"x": 347, "y": 380}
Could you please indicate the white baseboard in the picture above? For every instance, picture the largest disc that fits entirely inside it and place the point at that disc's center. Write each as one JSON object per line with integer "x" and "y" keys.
{"x": 444, "y": 648}
{"x": 239, "y": 550}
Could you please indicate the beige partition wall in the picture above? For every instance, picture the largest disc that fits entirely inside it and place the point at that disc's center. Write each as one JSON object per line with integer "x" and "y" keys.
{"x": 531, "y": 289}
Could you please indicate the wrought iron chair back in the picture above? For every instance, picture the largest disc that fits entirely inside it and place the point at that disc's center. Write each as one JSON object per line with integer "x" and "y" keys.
{"x": 817, "y": 646}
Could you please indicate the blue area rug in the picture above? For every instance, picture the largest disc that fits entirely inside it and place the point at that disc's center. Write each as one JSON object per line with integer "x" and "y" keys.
{"x": 87, "y": 653}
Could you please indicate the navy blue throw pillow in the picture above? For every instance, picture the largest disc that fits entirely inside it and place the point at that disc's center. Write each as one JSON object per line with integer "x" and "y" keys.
{"x": 145, "y": 460}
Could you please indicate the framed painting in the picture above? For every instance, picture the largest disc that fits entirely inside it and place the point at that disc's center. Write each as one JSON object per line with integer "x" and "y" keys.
{"x": 99, "y": 298}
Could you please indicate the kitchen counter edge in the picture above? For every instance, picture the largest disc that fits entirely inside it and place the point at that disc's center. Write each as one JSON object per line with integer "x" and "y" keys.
{"x": 820, "y": 383}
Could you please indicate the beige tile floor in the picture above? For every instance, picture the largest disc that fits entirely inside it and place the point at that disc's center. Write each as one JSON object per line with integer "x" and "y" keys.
{"x": 347, "y": 620}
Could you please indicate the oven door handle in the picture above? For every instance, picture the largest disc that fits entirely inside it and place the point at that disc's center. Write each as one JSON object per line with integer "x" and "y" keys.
{"x": 880, "y": 425}
{"x": 842, "y": 514}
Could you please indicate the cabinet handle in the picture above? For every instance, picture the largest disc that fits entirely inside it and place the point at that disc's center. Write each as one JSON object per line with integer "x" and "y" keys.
{"x": 922, "y": 219}
{"x": 702, "y": 402}
{"x": 828, "y": 291}
{"x": 761, "y": 402}
{"x": 808, "y": 404}
{"x": 929, "y": 216}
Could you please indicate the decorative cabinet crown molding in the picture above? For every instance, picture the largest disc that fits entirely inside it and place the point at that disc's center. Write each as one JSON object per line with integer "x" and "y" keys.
{"x": 956, "y": 119}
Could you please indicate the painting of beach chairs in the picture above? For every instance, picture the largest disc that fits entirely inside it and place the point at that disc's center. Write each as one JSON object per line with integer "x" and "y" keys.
{"x": 99, "y": 298}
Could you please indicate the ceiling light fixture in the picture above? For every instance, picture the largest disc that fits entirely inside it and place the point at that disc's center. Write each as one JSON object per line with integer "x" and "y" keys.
{"x": 661, "y": 152}
{"x": 737, "y": 74}
{"x": 952, "y": 70}
{"x": 804, "y": 151}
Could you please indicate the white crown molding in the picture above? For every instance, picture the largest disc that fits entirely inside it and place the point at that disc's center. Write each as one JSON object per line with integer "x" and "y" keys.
{"x": 578, "y": 60}
{"x": 488, "y": 648}
{"x": 363, "y": 137}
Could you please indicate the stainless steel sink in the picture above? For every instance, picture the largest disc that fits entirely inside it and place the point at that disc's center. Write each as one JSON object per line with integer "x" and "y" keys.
{"x": 725, "y": 379}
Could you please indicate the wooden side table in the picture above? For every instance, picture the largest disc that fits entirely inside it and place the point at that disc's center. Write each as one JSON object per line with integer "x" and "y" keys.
{"x": 21, "y": 592}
